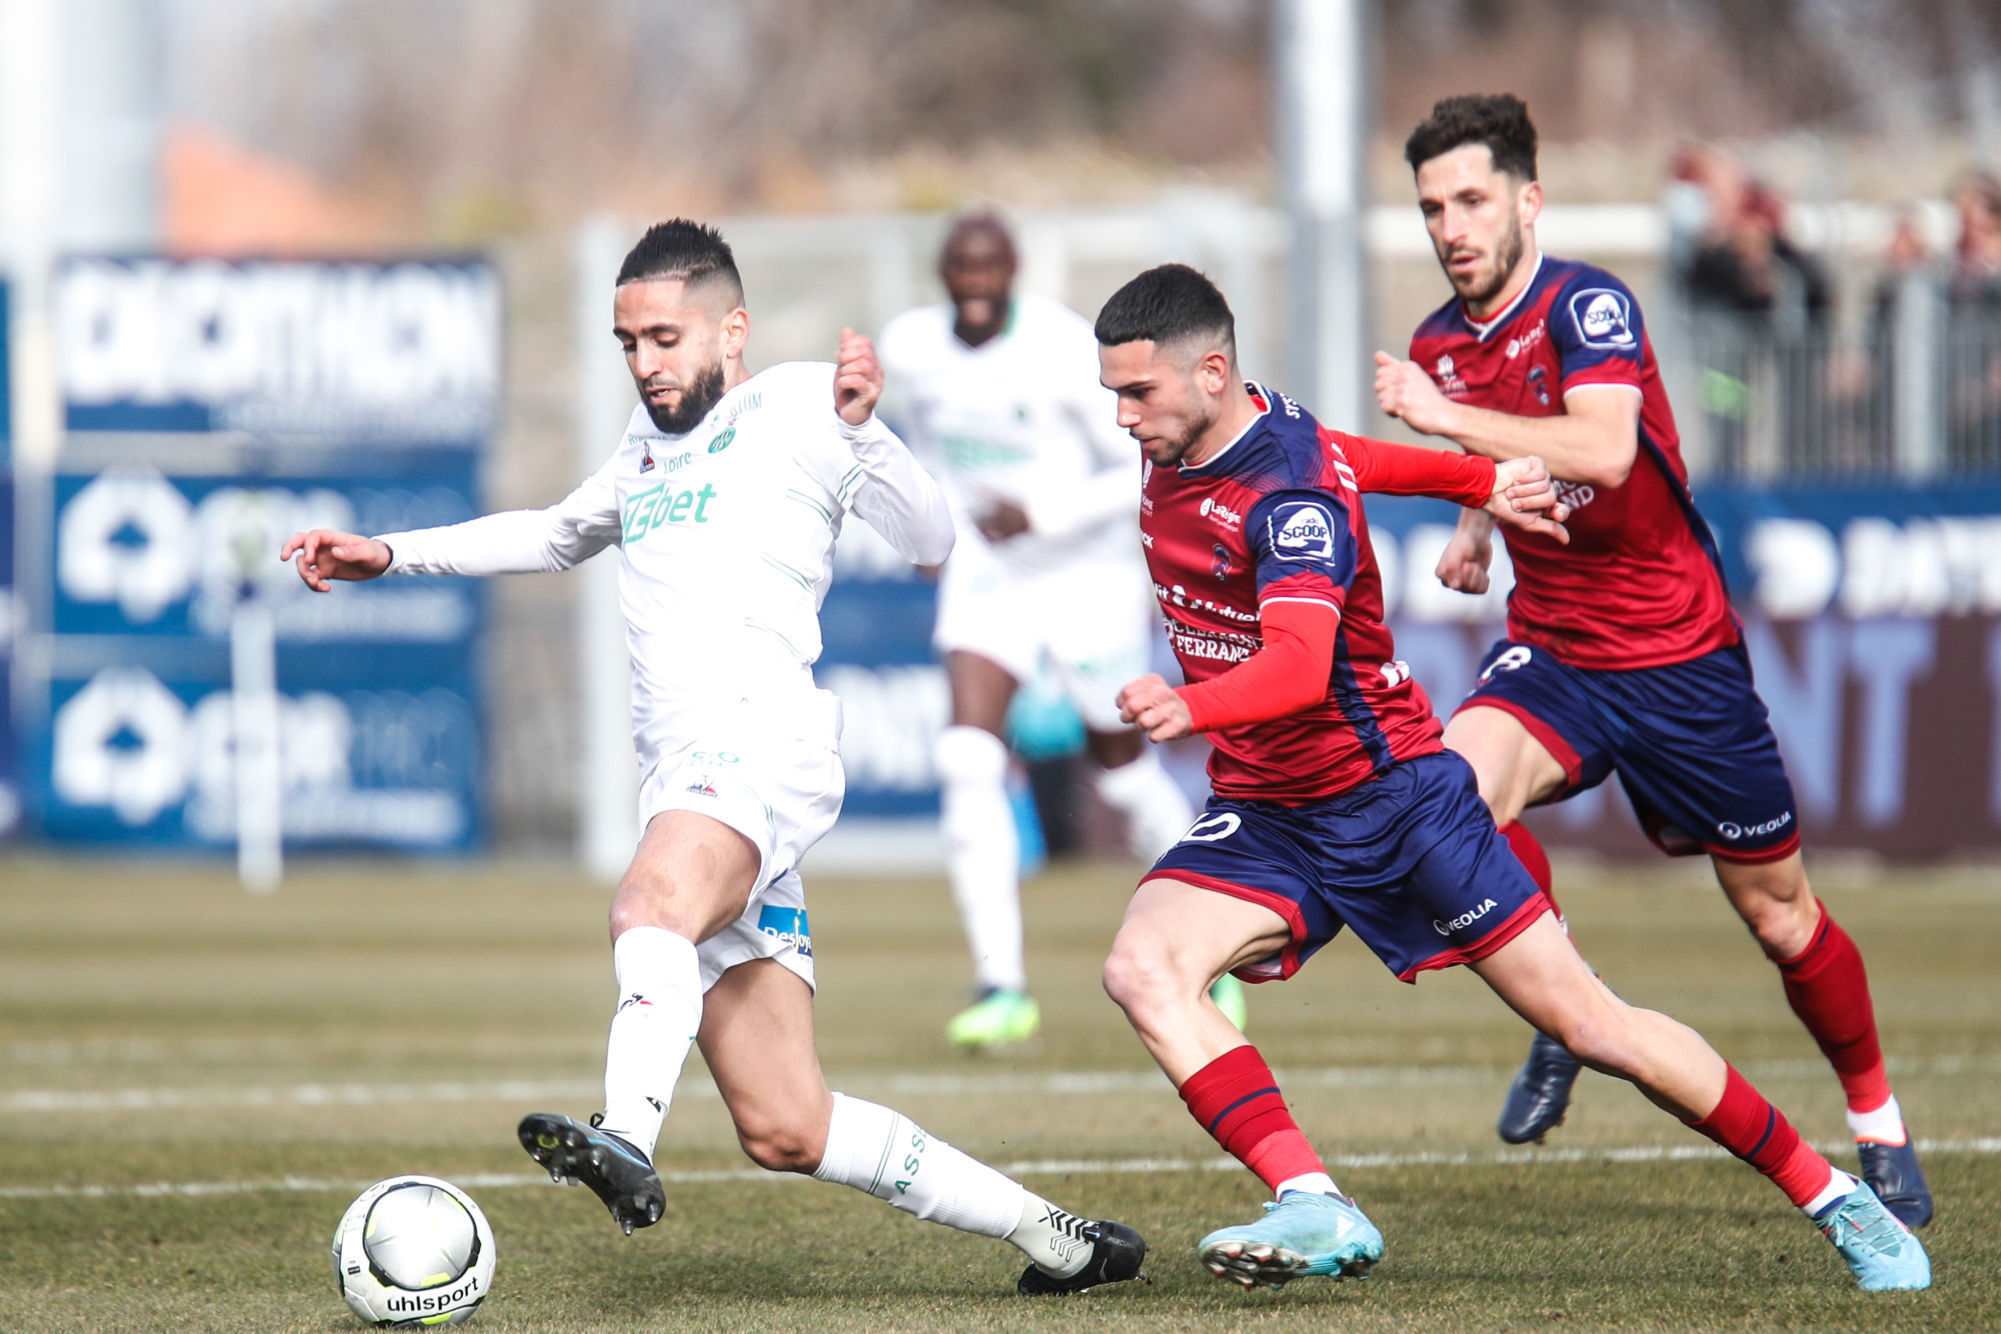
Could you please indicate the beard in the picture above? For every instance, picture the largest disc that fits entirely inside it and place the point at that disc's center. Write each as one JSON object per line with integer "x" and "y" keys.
{"x": 1168, "y": 450}
{"x": 696, "y": 400}
{"x": 1507, "y": 254}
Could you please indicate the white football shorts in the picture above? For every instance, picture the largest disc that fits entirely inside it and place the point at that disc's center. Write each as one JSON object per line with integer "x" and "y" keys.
{"x": 1085, "y": 626}
{"x": 783, "y": 794}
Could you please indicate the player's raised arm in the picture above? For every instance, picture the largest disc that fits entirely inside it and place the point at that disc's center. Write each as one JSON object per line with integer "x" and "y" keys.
{"x": 895, "y": 496}
{"x": 1595, "y": 439}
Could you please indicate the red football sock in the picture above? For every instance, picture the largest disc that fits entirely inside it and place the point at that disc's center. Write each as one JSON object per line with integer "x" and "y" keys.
{"x": 1744, "y": 1123}
{"x": 1235, "y": 1099}
{"x": 1829, "y": 990}
{"x": 1528, "y": 851}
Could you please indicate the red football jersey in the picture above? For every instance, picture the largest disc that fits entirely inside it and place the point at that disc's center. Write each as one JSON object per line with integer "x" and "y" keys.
{"x": 1640, "y": 584}
{"x": 1273, "y": 516}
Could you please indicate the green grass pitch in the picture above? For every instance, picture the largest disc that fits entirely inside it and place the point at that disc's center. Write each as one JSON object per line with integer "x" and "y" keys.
{"x": 195, "y": 1082}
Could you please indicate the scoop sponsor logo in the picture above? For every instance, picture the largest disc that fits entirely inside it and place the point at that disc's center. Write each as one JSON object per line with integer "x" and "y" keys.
{"x": 1302, "y": 531}
{"x": 1603, "y": 318}
{"x": 1732, "y": 831}
{"x": 1463, "y": 920}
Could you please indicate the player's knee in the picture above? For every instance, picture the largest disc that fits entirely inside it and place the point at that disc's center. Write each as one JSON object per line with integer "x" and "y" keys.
{"x": 782, "y": 1144}
{"x": 1140, "y": 978}
{"x": 1599, "y": 1040}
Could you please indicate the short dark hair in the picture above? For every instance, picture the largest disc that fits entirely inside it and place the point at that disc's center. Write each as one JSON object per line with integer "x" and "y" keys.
{"x": 680, "y": 248}
{"x": 1167, "y": 305}
{"x": 1498, "y": 120}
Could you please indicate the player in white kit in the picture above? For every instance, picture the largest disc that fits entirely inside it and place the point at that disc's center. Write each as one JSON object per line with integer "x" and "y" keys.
{"x": 999, "y": 392}
{"x": 724, "y": 498}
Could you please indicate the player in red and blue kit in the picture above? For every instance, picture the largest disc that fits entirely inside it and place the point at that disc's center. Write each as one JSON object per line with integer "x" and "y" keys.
{"x": 1622, "y": 655}
{"x": 1335, "y": 802}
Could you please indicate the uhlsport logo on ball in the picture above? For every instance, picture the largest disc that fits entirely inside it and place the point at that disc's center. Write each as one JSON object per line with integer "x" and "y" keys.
{"x": 413, "y": 1251}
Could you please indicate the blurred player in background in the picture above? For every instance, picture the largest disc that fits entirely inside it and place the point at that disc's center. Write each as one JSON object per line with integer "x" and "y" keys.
{"x": 1622, "y": 654}
{"x": 725, "y": 498}
{"x": 1000, "y": 394}
{"x": 1335, "y": 803}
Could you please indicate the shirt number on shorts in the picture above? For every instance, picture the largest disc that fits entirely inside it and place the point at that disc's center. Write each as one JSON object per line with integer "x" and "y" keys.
{"x": 1517, "y": 656}
{"x": 1213, "y": 828}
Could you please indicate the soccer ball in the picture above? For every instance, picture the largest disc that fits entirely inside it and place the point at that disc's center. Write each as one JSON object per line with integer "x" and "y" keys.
{"x": 413, "y": 1251}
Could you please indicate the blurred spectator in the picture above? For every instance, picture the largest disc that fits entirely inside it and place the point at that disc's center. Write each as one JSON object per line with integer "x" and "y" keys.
{"x": 1973, "y": 328}
{"x": 1760, "y": 304}
{"x": 1976, "y": 271}
{"x": 1745, "y": 263}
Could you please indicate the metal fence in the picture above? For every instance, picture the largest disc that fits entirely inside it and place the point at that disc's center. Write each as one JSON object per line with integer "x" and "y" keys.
{"x": 1914, "y": 395}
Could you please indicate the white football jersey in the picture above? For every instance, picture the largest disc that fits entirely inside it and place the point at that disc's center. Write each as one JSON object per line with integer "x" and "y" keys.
{"x": 726, "y": 538}
{"x": 1021, "y": 417}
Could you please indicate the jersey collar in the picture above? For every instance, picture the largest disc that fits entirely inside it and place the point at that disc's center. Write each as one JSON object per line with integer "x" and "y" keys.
{"x": 1263, "y": 398}
{"x": 1482, "y": 328}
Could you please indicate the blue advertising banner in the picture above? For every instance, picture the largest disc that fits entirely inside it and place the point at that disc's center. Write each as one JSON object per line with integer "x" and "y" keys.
{"x": 10, "y": 773}
{"x": 1872, "y": 615}
{"x": 213, "y": 410}
{"x": 875, "y": 630}
{"x": 350, "y": 350}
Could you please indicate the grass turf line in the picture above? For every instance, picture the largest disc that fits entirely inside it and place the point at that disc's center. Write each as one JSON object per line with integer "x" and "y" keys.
{"x": 122, "y": 975}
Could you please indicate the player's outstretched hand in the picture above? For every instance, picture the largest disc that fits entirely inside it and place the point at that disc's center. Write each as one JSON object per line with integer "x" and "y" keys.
{"x": 1404, "y": 390}
{"x": 326, "y": 554}
{"x": 857, "y": 378}
{"x": 1151, "y": 704}
{"x": 1463, "y": 566}
{"x": 1525, "y": 496}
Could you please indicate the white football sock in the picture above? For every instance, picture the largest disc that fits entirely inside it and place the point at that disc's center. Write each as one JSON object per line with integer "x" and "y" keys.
{"x": 1156, "y": 809}
{"x": 1885, "y": 1125}
{"x": 1838, "y": 1185}
{"x": 659, "y": 1013}
{"x": 882, "y": 1153}
{"x": 984, "y": 852}
{"x": 1317, "y": 1183}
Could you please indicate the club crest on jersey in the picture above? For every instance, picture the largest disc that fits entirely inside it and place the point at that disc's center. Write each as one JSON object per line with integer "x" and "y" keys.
{"x": 1539, "y": 384}
{"x": 1604, "y": 318}
{"x": 722, "y": 440}
{"x": 1301, "y": 530}
{"x": 1222, "y": 568}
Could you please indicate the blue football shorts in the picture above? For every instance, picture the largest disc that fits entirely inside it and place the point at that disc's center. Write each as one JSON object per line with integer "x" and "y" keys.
{"x": 1691, "y": 742}
{"x": 1409, "y": 860}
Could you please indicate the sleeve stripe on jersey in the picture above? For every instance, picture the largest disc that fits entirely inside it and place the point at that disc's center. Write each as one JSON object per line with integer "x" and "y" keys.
{"x": 849, "y": 482}
{"x": 1570, "y": 389}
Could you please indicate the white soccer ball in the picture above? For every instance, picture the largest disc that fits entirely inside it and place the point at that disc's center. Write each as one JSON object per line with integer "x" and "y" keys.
{"x": 413, "y": 1251}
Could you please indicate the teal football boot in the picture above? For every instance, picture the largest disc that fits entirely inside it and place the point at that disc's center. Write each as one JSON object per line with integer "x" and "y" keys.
{"x": 1883, "y": 1254}
{"x": 1302, "y": 1233}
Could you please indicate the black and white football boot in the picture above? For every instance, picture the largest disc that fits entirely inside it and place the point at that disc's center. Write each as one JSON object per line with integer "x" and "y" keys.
{"x": 1116, "y": 1255}
{"x": 614, "y": 1169}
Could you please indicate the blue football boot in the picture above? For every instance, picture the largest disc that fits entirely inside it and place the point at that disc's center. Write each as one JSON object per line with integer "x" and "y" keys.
{"x": 1540, "y": 1094}
{"x": 1882, "y": 1253}
{"x": 1892, "y": 1171}
{"x": 1301, "y": 1233}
